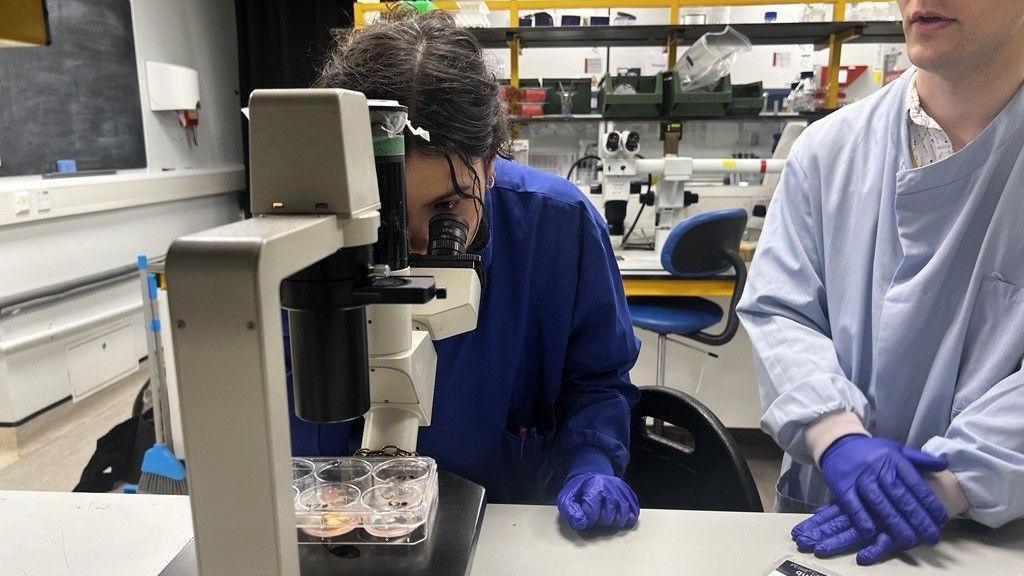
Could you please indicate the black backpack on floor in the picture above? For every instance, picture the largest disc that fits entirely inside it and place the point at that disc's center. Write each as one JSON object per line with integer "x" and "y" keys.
{"x": 119, "y": 452}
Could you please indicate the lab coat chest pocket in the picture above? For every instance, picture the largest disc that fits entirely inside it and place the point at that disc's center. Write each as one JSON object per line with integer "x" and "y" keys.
{"x": 994, "y": 347}
{"x": 525, "y": 452}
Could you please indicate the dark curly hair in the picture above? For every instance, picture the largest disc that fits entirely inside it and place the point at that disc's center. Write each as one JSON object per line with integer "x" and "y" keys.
{"x": 437, "y": 70}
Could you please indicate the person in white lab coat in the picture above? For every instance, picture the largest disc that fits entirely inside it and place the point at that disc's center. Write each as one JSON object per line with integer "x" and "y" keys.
{"x": 886, "y": 299}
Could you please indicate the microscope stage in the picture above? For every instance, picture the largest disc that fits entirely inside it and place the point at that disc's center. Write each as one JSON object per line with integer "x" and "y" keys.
{"x": 448, "y": 551}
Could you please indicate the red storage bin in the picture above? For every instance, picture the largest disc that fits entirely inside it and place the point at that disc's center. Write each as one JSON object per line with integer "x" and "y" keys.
{"x": 531, "y": 108}
{"x": 533, "y": 94}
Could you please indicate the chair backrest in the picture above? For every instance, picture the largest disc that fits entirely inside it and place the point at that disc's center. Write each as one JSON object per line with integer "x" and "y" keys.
{"x": 696, "y": 247}
{"x": 695, "y": 465}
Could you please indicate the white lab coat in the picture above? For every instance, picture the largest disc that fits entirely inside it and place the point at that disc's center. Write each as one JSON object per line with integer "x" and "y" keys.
{"x": 898, "y": 294}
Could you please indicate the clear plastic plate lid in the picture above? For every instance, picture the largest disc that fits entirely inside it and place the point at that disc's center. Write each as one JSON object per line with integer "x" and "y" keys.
{"x": 364, "y": 500}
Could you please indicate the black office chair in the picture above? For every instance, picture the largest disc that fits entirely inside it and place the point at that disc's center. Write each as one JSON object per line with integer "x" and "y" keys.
{"x": 694, "y": 464}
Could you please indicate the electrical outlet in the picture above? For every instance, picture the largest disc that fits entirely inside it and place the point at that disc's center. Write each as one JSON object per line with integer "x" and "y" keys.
{"x": 22, "y": 203}
{"x": 43, "y": 203}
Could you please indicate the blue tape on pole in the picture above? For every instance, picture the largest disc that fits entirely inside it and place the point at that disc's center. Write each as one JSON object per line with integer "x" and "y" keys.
{"x": 143, "y": 262}
{"x": 152, "y": 287}
{"x": 155, "y": 325}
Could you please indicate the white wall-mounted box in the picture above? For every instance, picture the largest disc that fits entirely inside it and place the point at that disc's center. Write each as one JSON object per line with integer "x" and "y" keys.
{"x": 172, "y": 87}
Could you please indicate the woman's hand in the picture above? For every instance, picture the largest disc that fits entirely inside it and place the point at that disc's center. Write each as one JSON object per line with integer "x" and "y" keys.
{"x": 598, "y": 501}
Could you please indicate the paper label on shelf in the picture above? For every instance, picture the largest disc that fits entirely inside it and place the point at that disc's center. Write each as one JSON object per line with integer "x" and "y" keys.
{"x": 782, "y": 59}
{"x": 729, "y": 163}
{"x": 593, "y": 66}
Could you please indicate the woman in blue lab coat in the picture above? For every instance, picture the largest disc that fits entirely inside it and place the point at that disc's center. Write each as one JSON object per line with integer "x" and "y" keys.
{"x": 535, "y": 401}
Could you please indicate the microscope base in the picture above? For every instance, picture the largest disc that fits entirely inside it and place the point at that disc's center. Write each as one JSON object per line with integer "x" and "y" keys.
{"x": 448, "y": 551}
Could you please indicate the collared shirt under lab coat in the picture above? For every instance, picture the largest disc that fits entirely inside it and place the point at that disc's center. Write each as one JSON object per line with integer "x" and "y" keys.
{"x": 929, "y": 143}
{"x": 897, "y": 294}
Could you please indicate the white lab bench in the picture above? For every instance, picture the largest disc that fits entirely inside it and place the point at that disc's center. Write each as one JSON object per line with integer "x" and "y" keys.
{"x": 724, "y": 382}
{"x": 64, "y": 534}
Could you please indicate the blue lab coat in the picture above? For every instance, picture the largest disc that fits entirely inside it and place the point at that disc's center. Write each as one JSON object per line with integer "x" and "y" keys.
{"x": 540, "y": 390}
{"x": 897, "y": 294}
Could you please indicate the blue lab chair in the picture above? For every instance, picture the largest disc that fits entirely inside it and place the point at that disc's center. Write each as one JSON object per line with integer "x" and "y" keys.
{"x": 702, "y": 246}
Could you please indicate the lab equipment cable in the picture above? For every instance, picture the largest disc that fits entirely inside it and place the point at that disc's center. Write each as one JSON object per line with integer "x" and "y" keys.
{"x": 576, "y": 164}
{"x": 625, "y": 237}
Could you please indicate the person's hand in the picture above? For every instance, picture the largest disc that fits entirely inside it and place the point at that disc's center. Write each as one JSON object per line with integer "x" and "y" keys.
{"x": 829, "y": 532}
{"x": 598, "y": 501}
{"x": 882, "y": 506}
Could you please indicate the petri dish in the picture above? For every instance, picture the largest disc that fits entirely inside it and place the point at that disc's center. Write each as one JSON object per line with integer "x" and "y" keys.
{"x": 329, "y": 510}
{"x": 403, "y": 470}
{"x": 346, "y": 471}
{"x": 302, "y": 474}
{"x": 395, "y": 509}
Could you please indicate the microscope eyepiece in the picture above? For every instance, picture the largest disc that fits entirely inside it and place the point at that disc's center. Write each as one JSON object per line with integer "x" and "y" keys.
{"x": 632, "y": 142}
{"x": 611, "y": 143}
{"x": 449, "y": 234}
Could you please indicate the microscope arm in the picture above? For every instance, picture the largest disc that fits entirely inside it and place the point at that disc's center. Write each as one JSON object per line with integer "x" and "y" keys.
{"x": 226, "y": 323}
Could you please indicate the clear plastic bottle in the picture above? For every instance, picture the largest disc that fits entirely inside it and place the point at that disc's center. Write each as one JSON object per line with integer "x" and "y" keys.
{"x": 871, "y": 11}
{"x": 816, "y": 13}
{"x": 802, "y": 97}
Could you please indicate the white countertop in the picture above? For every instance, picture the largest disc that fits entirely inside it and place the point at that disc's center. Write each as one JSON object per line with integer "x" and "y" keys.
{"x": 528, "y": 540}
{"x": 639, "y": 263}
{"x": 67, "y": 534}
{"x": 45, "y": 533}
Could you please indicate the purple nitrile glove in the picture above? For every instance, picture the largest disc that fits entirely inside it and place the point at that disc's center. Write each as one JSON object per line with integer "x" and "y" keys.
{"x": 882, "y": 506}
{"x": 598, "y": 501}
{"x": 830, "y": 533}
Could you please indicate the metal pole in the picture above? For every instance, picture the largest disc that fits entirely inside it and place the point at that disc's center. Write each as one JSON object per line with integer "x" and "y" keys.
{"x": 157, "y": 393}
{"x": 662, "y": 350}
{"x": 835, "y": 54}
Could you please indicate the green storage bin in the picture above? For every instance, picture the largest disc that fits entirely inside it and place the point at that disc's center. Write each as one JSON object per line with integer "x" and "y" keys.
{"x": 697, "y": 104}
{"x": 646, "y": 103}
{"x": 747, "y": 99}
{"x": 580, "y": 97}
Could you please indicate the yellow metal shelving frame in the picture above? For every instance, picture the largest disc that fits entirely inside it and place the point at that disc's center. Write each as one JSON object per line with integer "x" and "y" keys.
{"x": 835, "y": 41}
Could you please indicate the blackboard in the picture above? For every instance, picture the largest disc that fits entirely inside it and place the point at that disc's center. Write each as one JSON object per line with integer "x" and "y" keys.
{"x": 76, "y": 98}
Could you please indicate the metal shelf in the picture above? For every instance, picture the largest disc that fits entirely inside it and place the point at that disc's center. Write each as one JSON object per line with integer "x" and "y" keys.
{"x": 759, "y": 34}
{"x": 580, "y": 118}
